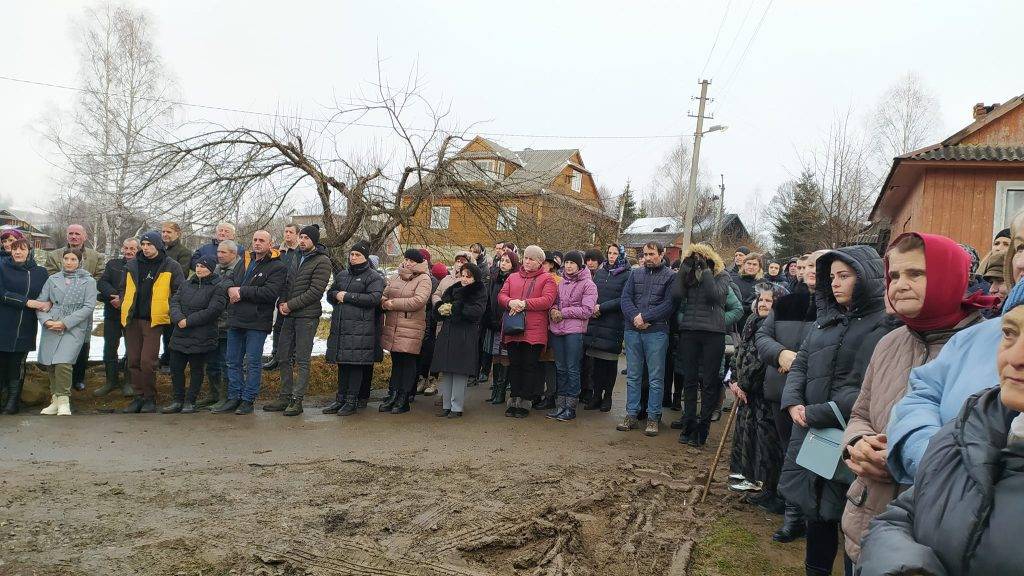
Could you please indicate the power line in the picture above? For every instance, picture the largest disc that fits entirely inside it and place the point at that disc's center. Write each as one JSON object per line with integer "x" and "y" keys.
{"x": 333, "y": 121}
{"x": 735, "y": 37}
{"x": 732, "y": 75}
{"x": 715, "y": 43}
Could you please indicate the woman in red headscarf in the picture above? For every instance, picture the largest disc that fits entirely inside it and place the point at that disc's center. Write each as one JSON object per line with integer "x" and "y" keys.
{"x": 925, "y": 279}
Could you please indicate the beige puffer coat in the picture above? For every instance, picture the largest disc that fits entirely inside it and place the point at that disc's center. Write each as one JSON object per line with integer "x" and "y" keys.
{"x": 885, "y": 383}
{"x": 405, "y": 322}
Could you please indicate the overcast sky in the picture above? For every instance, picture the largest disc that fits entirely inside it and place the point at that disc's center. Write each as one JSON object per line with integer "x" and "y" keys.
{"x": 541, "y": 68}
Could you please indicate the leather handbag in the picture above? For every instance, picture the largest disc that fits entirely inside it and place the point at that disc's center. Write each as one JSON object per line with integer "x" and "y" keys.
{"x": 515, "y": 324}
{"x": 822, "y": 451}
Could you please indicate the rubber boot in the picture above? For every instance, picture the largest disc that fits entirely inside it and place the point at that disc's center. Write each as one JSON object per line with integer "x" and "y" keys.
{"x": 389, "y": 402}
{"x": 557, "y": 409}
{"x": 501, "y": 384}
{"x": 401, "y": 404}
{"x": 113, "y": 379}
{"x": 13, "y": 403}
{"x": 793, "y": 525}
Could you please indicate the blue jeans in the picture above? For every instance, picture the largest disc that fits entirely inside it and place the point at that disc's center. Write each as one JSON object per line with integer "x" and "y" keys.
{"x": 649, "y": 348}
{"x": 245, "y": 346}
{"x": 568, "y": 357}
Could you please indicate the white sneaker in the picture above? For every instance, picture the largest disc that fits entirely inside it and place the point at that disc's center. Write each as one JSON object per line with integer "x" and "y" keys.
{"x": 63, "y": 406}
{"x": 734, "y": 477}
{"x": 52, "y": 408}
{"x": 745, "y": 486}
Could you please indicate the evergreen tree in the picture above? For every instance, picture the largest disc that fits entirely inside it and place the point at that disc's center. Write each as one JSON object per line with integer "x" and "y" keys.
{"x": 630, "y": 210}
{"x": 798, "y": 217}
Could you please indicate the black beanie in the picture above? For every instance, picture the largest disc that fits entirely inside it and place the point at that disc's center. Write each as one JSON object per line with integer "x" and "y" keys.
{"x": 575, "y": 257}
{"x": 363, "y": 248}
{"x": 153, "y": 237}
{"x": 553, "y": 257}
{"x": 743, "y": 250}
{"x": 594, "y": 255}
{"x": 208, "y": 262}
{"x": 1004, "y": 233}
{"x": 415, "y": 255}
{"x": 313, "y": 231}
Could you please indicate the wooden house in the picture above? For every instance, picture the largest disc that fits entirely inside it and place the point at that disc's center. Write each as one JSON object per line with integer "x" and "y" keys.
{"x": 543, "y": 197}
{"x": 967, "y": 187}
{"x": 668, "y": 231}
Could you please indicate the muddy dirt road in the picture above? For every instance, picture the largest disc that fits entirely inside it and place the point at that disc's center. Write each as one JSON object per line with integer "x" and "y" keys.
{"x": 405, "y": 495}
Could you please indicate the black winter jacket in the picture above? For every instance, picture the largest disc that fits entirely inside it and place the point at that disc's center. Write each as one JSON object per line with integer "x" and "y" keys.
{"x": 19, "y": 283}
{"x": 355, "y": 323}
{"x": 963, "y": 514}
{"x": 830, "y": 366}
{"x": 307, "y": 280}
{"x": 200, "y": 302}
{"x": 784, "y": 329}
{"x": 494, "y": 314}
{"x": 261, "y": 283}
{"x": 704, "y": 301}
{"x": 111, "y": 282}
{"x": 605, "y": 332}
{"x": 457, "y": 347}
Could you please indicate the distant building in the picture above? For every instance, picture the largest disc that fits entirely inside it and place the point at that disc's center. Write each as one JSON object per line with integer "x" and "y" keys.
{"x": 543, "y": 197}
{"x": 40, "y": 241}
{"x": 669, "y": 231}
{"x": 967, "y": 187}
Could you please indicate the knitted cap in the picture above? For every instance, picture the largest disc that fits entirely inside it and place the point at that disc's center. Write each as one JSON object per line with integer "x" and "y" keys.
{"x": 415, "y": 255}
{"x": 313, "y": 231}
{"x": 154, "y": 238}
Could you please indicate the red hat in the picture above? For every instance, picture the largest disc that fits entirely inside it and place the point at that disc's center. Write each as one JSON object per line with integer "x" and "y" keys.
{"x": 439, "y": 270}
{"x": 425, "y": 253}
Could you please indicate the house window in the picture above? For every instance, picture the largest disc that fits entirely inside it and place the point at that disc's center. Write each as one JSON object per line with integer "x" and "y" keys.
{"x": 479, "y": 170}
{"x": 439, "y": 217}
{"x": 507, "y": 217}
{"x": 576, "y": 181}
{"x": 1009, "y": 201}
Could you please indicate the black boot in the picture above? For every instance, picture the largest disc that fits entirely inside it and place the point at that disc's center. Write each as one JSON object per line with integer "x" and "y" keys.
{"x": 500, "y": 383}
{"x": 606, "y": 398}
{"x": 351, "y": 405}
{"x": 793, "y": 525}
{"x": 401, "y": 405}
{"x": 135, "y": 406}
{"x": 226, "y": 406}
{"x": 389, "y": 402}
{"x": 13, "y": 397}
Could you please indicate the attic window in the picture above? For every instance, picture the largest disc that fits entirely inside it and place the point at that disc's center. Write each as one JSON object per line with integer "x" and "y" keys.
{"x": 479, "y": 170}
{"x": 507, "y": 216}
{"x": 576, "y": 181}
{"x": 440, "y": 216}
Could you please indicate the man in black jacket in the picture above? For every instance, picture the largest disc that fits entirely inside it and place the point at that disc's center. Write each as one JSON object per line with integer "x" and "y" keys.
{"x": 253, "y": 291}
{"x": 289, "y": 251}
{"x": 108, "y": 284}
{"x": 309, "y": 272}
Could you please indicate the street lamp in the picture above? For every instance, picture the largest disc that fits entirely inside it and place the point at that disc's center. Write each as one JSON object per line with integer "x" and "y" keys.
{"x": 715, "y": 128}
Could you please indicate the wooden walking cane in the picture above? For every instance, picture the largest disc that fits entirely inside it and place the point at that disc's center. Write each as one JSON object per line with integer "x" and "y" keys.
{"x": 718, "y": 454}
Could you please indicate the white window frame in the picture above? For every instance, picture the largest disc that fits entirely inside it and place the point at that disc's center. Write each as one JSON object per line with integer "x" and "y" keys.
{"x": 576, "y": 180}
{"x": 438, "y": 212}
{"x": 1000, "y": 219}
{"x": 508, "y": 217}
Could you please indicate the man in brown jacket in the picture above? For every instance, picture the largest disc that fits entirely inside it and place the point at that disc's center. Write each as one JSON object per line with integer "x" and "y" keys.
{"x": 933, "y": 311}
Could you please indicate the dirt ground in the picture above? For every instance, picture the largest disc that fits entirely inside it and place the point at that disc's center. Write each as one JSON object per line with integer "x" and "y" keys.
{"x": 373, "y": 494}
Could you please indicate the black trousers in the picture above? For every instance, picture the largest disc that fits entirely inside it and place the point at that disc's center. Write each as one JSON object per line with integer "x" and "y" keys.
{"x": 783, "y": 424}
{"x": 112, "y": 334}
{"x": 81, "y": 363}
{"x": 603, "y": 374}
{"x": 822, "y": 545}
{"x": 426, "y": 354}
{"x": 669, "y": 377}
{"x": 701, "y": 353}
{"x": 367, "y": 381}
{"x": 350, "y": 379}
{"x": 524, "y": 370}
{"x": 403, "y": 374}
{"x": 196, "y": 364}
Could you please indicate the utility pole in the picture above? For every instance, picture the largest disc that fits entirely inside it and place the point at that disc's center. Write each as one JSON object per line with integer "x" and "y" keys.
{"x": 691, "y": 200}
{"x": 721, "y": 213}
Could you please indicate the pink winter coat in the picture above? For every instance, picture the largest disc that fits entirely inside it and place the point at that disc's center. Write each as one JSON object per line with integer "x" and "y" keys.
{"x": 577, "y": 297}
{"x": 539, "y": 291}
{"x": 405, "y": 322}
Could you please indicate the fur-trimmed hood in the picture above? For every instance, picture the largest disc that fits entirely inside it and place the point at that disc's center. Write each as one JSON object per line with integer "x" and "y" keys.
{"x": 709, "y": 254}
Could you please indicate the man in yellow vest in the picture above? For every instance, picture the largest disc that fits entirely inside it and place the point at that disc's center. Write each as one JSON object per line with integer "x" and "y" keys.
{"x": 149, "y": 281}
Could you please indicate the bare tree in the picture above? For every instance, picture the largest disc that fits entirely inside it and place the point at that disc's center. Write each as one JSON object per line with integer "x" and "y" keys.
{"x": 840, "y": 166}
{"x": 905, "y": 118}
{"x": 259, "y": 172}
{"x": 124, "y": 106}
{"x": 670, "y": 188}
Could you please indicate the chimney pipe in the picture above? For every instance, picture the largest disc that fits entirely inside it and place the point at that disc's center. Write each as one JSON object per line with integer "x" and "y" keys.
{"x": 980, "y": 110}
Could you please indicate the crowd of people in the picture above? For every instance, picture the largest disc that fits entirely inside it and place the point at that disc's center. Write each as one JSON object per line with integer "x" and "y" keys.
{"x": 877, "y": 397}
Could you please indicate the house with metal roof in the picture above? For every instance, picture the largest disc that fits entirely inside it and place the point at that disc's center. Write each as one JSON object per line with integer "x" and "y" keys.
{"x": 967, "y": 187}
{"x": 543, "y": 197}
{"x": 669, "y": 230}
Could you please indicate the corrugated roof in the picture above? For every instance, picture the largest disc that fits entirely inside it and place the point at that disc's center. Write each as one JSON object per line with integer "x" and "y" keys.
{"x": 970, "y": 153}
